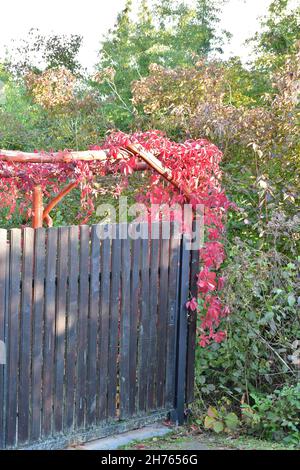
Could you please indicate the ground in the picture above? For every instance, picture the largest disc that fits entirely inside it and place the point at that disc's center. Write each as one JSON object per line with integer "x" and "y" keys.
{"x": 181, "y": 439}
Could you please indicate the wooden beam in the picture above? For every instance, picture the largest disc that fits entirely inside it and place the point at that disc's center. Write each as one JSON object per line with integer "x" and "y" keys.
{"x": 157, "y": 165}
{"x": 140, "y": 166}
{"x": 57, "y": 157}
{"x": 56, "y": 201}
{"x": 37, "y": 221}
{"x": 149, "y": 161}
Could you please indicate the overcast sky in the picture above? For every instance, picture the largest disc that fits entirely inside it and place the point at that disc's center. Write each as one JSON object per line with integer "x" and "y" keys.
{"x": 92, "y": 19}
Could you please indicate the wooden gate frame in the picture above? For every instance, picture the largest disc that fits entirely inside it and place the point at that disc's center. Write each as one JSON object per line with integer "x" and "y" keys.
{"x": 41, "y": 214}
{"x": 185, "y": 345}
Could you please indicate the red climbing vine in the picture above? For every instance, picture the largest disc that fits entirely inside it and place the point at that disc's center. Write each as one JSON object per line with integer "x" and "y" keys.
{"x": 195, "y": 167}
{"x": 181, "y": 173}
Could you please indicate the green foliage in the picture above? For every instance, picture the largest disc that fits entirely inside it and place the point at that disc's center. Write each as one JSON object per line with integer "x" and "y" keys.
{"x": 188, "y": 29}
{"x": 275, "y": 416}
{"x": 261, "y": 330}
{"x": 261, "y": 354}
{"x": 62, "y": 51}
{"x": 221, "y": 420}
{"x": 170, "y": 33}
{"x": 26, "y": 125}
{"x": 19, "y": 117}
{"x": 280, "y": 30}
{"x": 38, "y": 51}
{"x": 26, "y": 122}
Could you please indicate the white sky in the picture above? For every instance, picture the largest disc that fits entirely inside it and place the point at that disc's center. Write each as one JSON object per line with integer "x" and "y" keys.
{"x": 92, "y": 18}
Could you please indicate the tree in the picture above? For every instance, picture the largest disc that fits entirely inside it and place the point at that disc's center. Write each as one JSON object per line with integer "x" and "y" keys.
{"x": 188, "y": 29}
{"x": 38, "y": 52}
{"x": 48, "y": 103}
{"x": 280, "y": 34}
{"x": 62, "y": 51}
{"x": 116, "y": 69}
{"x": 169, "y": 33}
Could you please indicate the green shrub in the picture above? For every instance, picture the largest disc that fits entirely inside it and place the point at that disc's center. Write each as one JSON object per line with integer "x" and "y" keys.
{"x": 275, "y": 416}
{"x": 261, "y": 290}
{"x": 257, "y": 366}
{"x": 221, "y": 419}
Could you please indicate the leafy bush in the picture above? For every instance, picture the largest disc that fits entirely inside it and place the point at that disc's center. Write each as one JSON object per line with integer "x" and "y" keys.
{"x": 275, "y": 416}
{"x": 258, "y": 365}
{"x": 221, "y": 420}
{"x": 262, "y": 292}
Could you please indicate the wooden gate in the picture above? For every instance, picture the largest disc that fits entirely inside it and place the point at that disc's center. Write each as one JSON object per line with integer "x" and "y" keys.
{"x": 95, "y": 331}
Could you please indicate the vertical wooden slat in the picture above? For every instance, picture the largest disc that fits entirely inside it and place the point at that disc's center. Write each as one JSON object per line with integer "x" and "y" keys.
{"x": 175, "y": 244}
{"x": 37, "y": 332}
{"x": 162, "y": 319}
{"x": 3, "y": 281}
{"x": 154, "y": 284}
{"x": 144, "y": 333}
{"x": 104, "y": 326}
{"x": 82, "y": 325}
{"x": 13, "y": 336}
{"x": 25, "y": 336}
{"x": 49, "y": 331}
{"x": 114, "y": 325}
{"x": 60, "y": 326}
{"x": 125, "y": 327}
{"x": 181, "y": 351}
{"x": 192, "y": 326}
{"x": 151, "y": 294}
{"x": 54, "y": 373}
{"x": 71, "y": 333}
{"x": 134, "y": 298}
{"x": 92, "y": 363}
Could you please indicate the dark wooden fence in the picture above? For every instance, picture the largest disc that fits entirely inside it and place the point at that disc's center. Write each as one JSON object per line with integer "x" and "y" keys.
{"x": 96, "y": 333}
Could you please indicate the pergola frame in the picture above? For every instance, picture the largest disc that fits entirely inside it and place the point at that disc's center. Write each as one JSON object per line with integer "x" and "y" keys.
{"x": 41, "y": 214}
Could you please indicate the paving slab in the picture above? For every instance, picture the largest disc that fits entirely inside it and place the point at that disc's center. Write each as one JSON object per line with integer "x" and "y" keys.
{"x": 119, "y": 440}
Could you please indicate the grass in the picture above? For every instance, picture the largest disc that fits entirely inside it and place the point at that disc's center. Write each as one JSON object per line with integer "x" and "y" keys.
{"x": 181, "y": 439}
{"x": 245, "y": 443}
